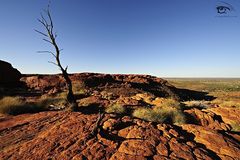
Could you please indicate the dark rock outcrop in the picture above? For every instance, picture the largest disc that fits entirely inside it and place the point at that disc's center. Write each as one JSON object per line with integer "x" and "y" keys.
{"x": 9, "y": 76}
{"x": 116, "y": 84}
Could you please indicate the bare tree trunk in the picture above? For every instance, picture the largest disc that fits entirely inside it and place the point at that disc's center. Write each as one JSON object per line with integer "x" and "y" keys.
{"x": 70, "y": 96}
{"x": 51, "y": 38}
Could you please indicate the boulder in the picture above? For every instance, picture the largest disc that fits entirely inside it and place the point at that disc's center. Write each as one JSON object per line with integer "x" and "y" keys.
{"x": 208, "y": 119}
{"x": 223, "y": 146}
{"x": 229, "y": 115}
{"x": 9, "y": 76}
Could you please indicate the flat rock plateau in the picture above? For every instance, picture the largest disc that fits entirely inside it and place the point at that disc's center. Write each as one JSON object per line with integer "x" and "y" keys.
{"x": 59, "y": 134}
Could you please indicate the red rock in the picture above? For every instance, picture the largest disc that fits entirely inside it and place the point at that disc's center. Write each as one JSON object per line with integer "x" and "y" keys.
{"x": 201, "y": 154}
{"x": 160, "y": 157}
{"x": 116, "y": 85}
{"x": 123, "y": 156}
{"x": 150, "y": 133}
{"x": 66, "y": 135}
{"x": 180, "y": 150}
{"x": 137, "y": 148}
{"x": 124, "y": 132}
{"x": 162, "y": 149}
{"x": 207, "y": 119}
{"x": 110, "y": 123}
{"x": 214, "y": 141}
{"x": 230, "y": 115}
{"x": 63, "y": 135}
{"x": 174, "y": 132}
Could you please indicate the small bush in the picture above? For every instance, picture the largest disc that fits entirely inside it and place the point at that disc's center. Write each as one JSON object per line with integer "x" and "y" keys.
{"x": 170, "y": 116}
{"x": 78, "y": 88}
{"x": 58, "y": 99}
{"x": 235, "y": 127}
{"x": 115, "y": 108}
{"x": 149, "y": 115}
{"x": 52, "y": 103}
{"x": 178, "y": 117}
{"x": 16, "y": 105}
{"x": 167, "y": 103}
{"x": 161, "y": 114}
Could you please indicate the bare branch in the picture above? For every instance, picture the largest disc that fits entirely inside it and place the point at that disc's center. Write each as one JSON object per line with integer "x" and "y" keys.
{"x": 48, "y": 52}
{"x": 53, "y": 63}
{"x": 41, "y": 33}
{"x": 66, "y": 68}
{"x": 50, "y": 18}
{"x": 44, "y": 52}
{"x": 47, "y": 40}
{"x": 44, "y": 21}
{"x": 55, "y": 36}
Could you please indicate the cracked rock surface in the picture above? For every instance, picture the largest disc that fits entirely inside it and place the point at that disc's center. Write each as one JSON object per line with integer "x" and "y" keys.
{"x": 62, "y": 135}
{"x": 207, "y": 134}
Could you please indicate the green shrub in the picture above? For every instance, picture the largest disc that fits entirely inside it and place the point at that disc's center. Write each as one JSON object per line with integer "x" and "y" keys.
{"x": 115, "y": 108}
{"x": 58, "y": 100}
{"x": 178, "y": 117}
{"x": 160, "y": 115}
{"x": 149, "y": 115}
{"x": 173, "y": 111}
{"x": 60, "y": 95}
{"x": 170, "y": 103}
{"x": 16, "y": 105}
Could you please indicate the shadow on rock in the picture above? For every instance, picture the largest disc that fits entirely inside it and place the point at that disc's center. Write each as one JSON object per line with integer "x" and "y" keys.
{"x": 188, "y": 95}
{"x": 93, "y": 108}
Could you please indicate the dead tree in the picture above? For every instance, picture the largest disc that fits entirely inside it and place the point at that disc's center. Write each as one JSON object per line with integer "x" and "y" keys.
{"x": 50, "y": 37}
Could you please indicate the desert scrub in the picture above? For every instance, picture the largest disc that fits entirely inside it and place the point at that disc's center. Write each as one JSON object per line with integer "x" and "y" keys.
{"x": 17, "y": 105}
{"x": 169, "y": 102}
{"x": 196, "y": 104}
{"x": 209, "y": 85}
{"x": 52, "y": 103}
{"x": 149, "y": 115}
{"x": 160, "y": 114}
{"x": 78, "y": 88}
{"x": 235, "y": 127}
{"x": 227, "y": 103}
{"x": 115, "y": 108}
{"x": 57, "y": 99}
{"x": 172, "y": 110}
{"x": 108, "y": 95}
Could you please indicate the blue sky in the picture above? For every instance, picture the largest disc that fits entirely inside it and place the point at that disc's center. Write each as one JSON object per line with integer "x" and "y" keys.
{"x": 166, "y": 38}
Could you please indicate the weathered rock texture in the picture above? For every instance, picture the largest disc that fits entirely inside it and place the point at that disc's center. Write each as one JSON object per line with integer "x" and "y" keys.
{"x": 224, "y": 147}
{"x": 63, "y": 135}
{"x": 229, "y": 115}
{"x": 117, "y": 85}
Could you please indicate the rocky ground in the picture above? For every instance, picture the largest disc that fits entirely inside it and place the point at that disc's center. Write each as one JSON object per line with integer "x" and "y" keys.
{"x": 64, "y": 135}
{"x": 67, "y": 135}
